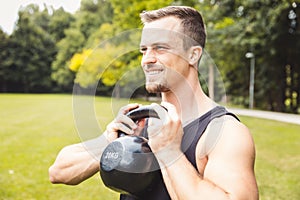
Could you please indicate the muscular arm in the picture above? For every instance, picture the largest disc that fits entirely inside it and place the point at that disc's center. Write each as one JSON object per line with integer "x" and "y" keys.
{"x": 228, "y": 173}
{"x": 76, "y": 163}
{"x": 224, "y": 171}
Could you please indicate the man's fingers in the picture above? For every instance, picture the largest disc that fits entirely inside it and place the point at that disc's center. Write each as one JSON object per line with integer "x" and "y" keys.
{"x": 161, "y": 112}
{"x": 125, "y": 124}
{"x": 127, "y": 108}
{"x": 124, "y": 128}
{"x": 121, "y": 123}
{"x": 154, "y": 126}
{"x": 172, "y": 112}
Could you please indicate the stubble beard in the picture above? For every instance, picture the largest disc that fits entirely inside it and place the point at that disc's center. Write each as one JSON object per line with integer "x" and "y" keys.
{"x": 158, "y": 83}
{"x": 156, "y": 87}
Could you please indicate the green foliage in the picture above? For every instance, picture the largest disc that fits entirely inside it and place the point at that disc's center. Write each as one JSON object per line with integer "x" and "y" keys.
{"x": 126, "y": 13}
{"x": 78, "y": 59}
{"x": 107, "y": 63}
{"x": 96, "y": 64}
{"x": 72, "y": 43}
{"x": 31, "y": 49}
{"x": 90, "y": 17}
{"x": 33, "y": 52}
{"x": 59, "y": 22}
{"x": 268, "y": 28}
{"x": 237, "y": 27}
{"x": 4, "y": 66}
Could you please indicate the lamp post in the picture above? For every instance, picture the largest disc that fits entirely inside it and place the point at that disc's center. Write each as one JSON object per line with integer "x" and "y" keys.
{"x": 251, "y": 56}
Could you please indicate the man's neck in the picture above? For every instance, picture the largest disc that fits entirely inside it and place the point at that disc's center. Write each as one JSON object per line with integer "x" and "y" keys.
{"x": 190, "y": 102}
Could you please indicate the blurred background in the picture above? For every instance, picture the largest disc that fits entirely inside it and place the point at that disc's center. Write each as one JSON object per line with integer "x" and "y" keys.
{"x": 254, "y": 44}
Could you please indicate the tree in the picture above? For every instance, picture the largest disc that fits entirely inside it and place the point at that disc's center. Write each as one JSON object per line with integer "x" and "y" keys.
{"x": 4, "y": 67}
{"x": 284, "y": 61}
{"x": 31, "y": 51}
{"x": 236, "y": 27}
{"x": 126, "y": 13}
{"x": 72, "y": 43}
{"x": 60, "y": 21}
{"x": 88, "y": 19}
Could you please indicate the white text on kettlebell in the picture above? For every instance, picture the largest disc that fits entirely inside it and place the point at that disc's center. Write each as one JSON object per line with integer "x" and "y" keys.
{"x": 111, "y": 155}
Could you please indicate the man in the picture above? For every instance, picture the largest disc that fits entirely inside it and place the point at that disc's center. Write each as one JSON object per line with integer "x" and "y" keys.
{"x": 219, "y": 163}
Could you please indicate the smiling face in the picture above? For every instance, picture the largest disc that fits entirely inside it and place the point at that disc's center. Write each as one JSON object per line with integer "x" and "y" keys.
{"x": 164, "y": 58}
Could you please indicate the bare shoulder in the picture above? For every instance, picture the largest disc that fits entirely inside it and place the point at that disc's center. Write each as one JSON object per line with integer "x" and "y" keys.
{"x": 236, "y": 138}
{"x": 229, "y": 149}
{"x": 227, "y": 133}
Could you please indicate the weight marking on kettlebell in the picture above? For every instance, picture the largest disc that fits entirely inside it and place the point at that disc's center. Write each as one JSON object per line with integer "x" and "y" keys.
{"x": 111, "y": 155}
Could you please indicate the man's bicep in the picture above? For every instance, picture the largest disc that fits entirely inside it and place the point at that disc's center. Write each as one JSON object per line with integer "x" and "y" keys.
{"x": 230, "y": 163}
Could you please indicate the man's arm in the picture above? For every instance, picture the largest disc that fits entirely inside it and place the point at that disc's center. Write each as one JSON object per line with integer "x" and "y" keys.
{"x": 231, "y": 161}
{"x": 78, "y": 162}
{"x": 227, "y": 174}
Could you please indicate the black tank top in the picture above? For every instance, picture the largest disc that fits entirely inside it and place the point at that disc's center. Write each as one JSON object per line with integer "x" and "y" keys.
{"x": 192, "y": 133}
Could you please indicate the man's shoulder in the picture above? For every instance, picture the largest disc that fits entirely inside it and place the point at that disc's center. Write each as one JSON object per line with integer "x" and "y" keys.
{"x": 225, "y": 130}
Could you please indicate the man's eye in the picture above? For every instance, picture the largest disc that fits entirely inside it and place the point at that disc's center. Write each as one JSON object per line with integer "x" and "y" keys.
{"x": 143, "y": 49}
{"x": 161, "y": 47}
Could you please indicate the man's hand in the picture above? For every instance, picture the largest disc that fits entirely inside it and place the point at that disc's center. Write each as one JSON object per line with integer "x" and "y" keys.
{"x": 121, "y": 123}
{"x": 165, "y": 134}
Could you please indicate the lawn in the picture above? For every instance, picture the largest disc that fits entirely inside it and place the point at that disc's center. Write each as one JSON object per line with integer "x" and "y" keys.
{"x": 35, "y": 127}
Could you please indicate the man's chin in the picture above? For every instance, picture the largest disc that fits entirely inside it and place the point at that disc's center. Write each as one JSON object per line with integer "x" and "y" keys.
{"x": 156, "y": 88}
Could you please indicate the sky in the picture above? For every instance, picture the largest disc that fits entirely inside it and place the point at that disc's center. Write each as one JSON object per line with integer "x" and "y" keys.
{"x": 9, "y": 10}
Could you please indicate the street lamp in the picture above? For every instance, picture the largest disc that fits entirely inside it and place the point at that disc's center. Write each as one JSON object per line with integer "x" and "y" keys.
{"x": 251, "y": 56}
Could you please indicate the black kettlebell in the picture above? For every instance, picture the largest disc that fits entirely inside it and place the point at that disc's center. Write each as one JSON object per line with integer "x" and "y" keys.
{"x": 127, "y": 164}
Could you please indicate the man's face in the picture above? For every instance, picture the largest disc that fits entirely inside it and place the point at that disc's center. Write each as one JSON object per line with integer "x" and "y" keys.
{"x": 163, "y": 61}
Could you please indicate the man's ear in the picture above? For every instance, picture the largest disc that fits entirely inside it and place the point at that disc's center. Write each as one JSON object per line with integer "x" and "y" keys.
{"x": 195, "y": 53}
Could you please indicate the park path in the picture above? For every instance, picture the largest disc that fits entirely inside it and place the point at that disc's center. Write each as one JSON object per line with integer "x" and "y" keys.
{"x": 283, "y": 117}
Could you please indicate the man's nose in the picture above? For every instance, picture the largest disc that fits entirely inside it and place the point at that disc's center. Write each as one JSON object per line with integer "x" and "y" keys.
{"x": 149, "y": 57}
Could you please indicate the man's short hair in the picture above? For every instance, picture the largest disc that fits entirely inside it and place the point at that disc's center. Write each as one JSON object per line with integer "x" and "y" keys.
{"x": 191, "y": 21}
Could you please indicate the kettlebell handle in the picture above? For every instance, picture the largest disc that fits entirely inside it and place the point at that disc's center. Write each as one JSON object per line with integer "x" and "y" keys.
{"x": 141, "y": 113}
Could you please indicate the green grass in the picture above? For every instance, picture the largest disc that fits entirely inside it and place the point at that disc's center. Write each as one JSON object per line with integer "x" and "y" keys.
{"x": 34, "y": 128}
{"x": 278, "y": 158}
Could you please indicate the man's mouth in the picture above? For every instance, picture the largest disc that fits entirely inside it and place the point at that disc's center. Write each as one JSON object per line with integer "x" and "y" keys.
{"x": 154, "y": 72}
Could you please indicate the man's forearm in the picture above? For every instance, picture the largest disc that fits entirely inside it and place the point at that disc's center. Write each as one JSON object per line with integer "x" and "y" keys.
{"x": 78, "y": 162}
{"x": 184, "y": 182}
